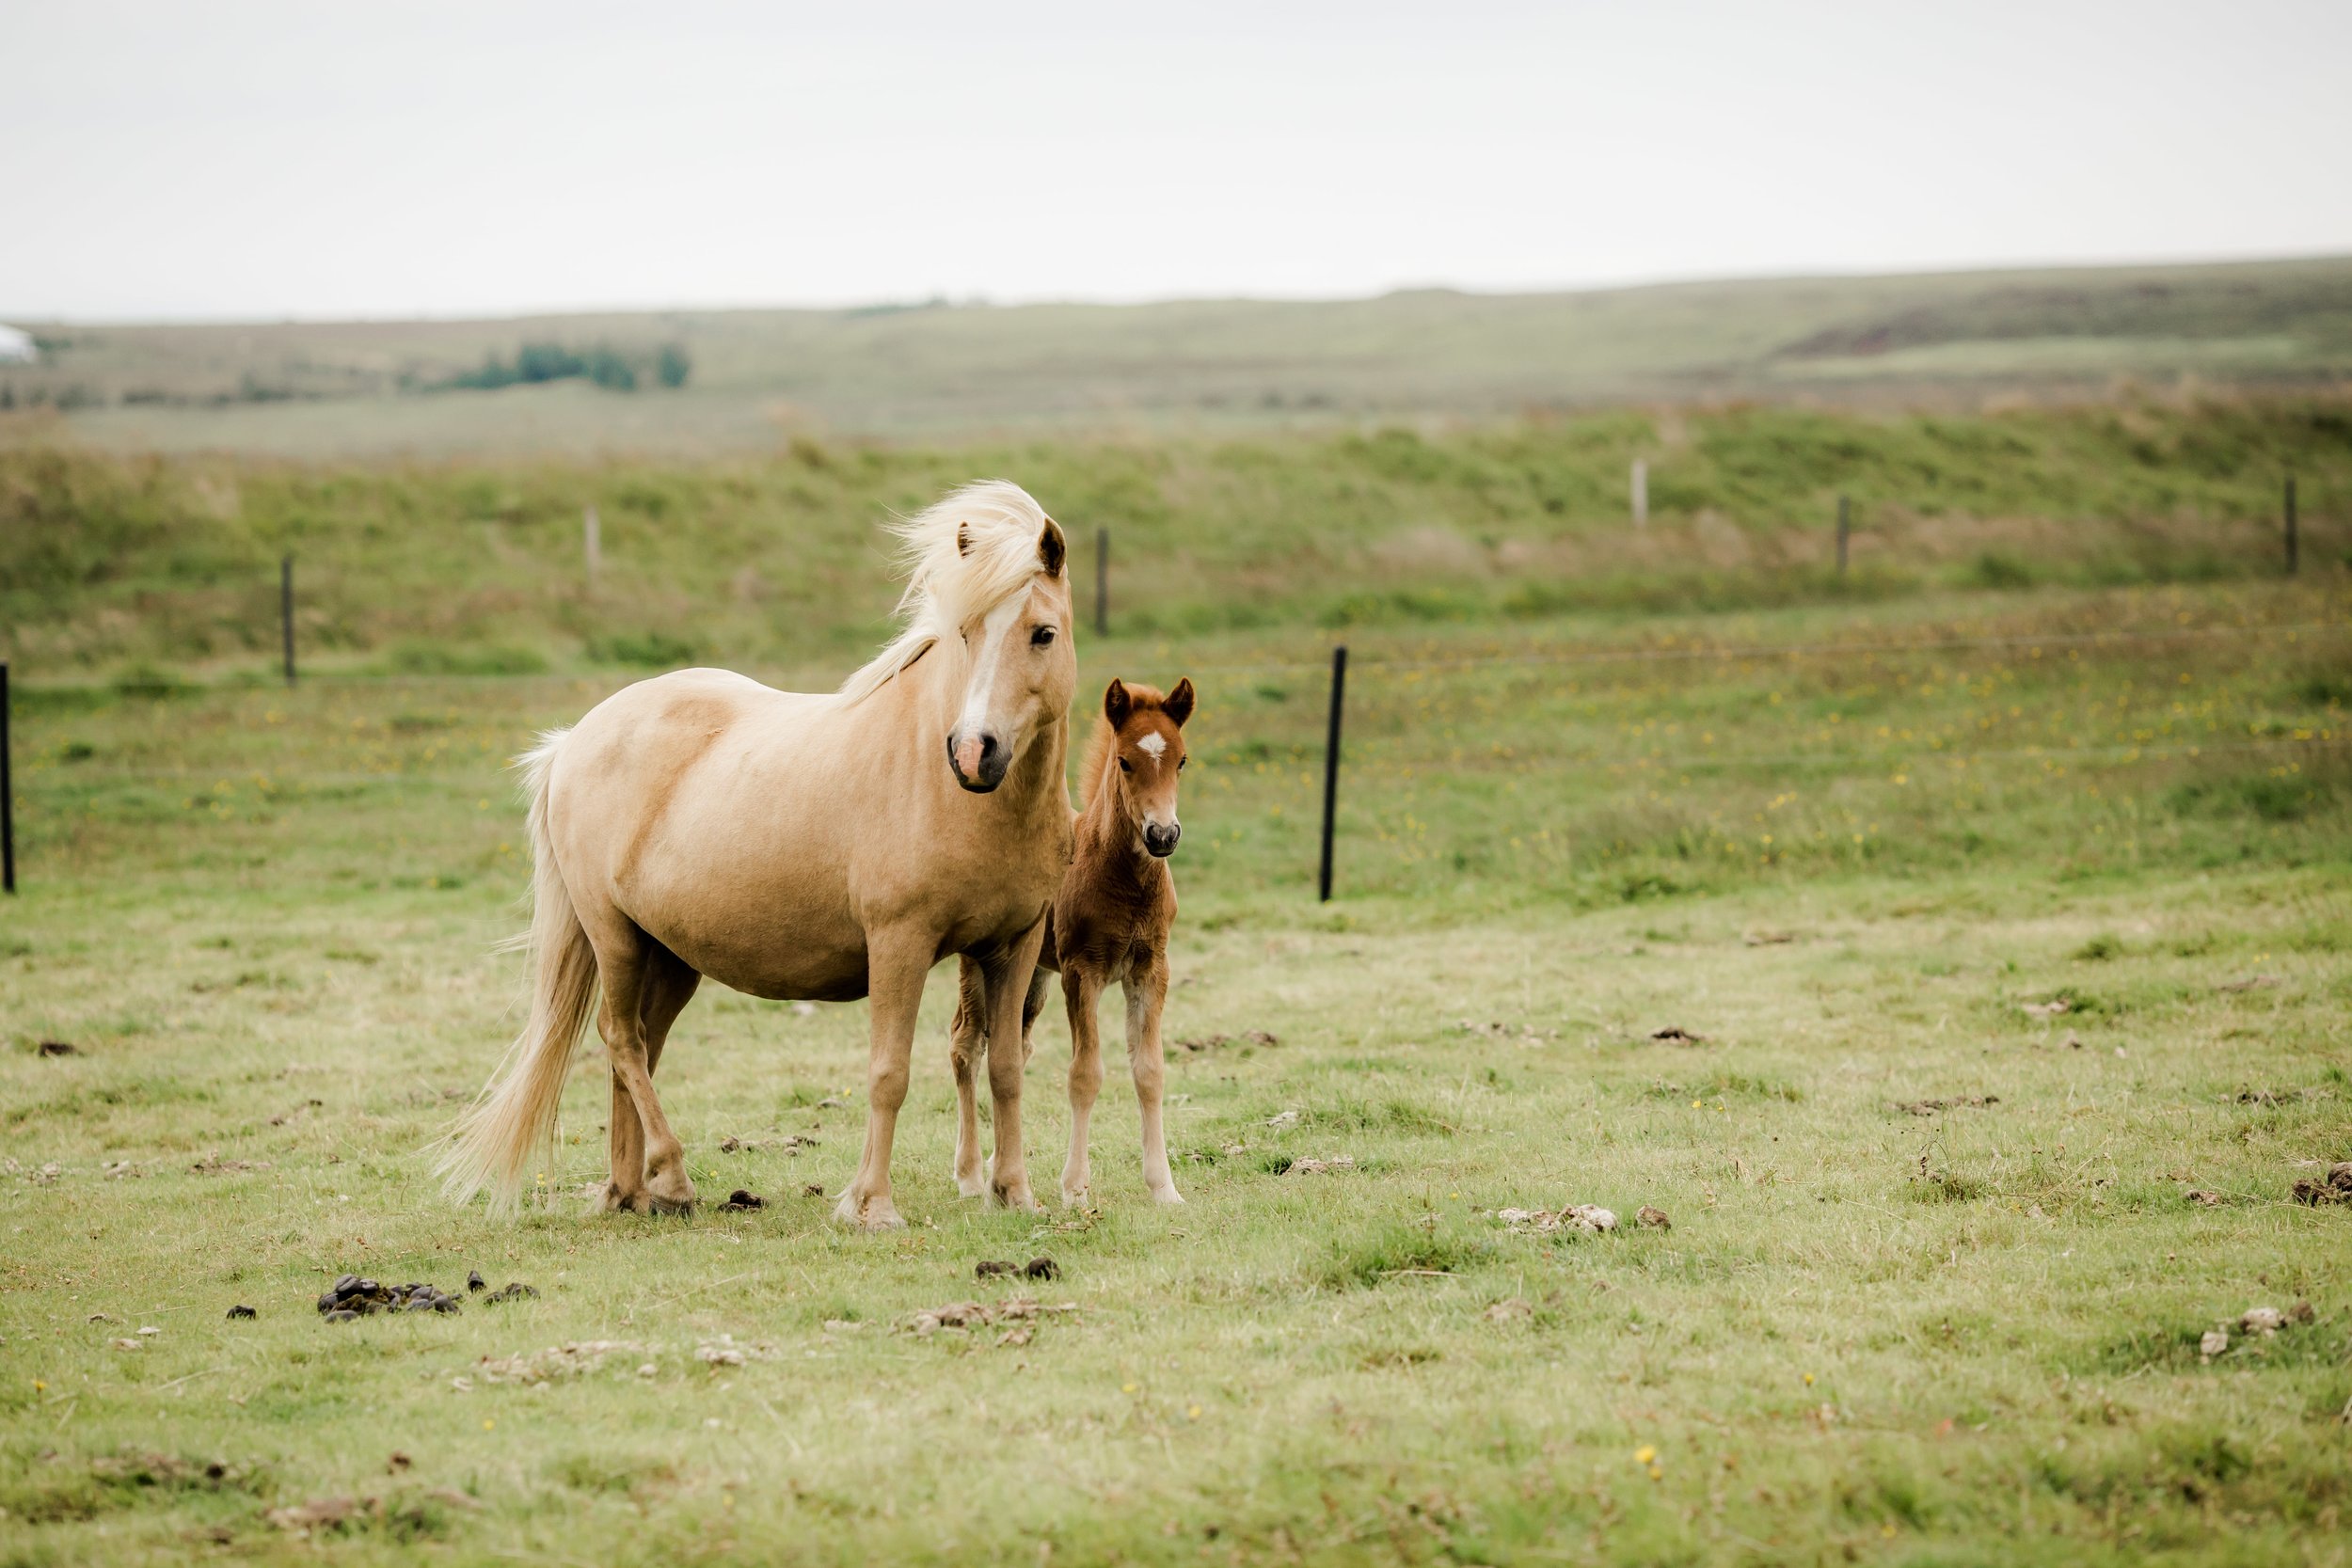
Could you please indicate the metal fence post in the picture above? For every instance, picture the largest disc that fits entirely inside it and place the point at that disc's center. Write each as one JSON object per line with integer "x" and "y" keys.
{"x": 1331, "y": 769}
{"x": 285, "y": 611}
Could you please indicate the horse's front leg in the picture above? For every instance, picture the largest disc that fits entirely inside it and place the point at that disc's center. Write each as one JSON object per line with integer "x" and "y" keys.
{"x": 1147, "y": 991}
{"x": 967, "y": 1051}
{"x": 895, "y": 963}
{"x": 1008, "y": 993}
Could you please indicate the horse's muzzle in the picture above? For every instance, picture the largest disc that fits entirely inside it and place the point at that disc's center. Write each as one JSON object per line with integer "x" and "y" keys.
{"x": 1161, "y": 841}
{"x": 979, "y": 761}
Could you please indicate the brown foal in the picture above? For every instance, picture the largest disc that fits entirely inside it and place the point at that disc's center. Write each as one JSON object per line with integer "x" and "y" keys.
{"x": 1109, "y": 923}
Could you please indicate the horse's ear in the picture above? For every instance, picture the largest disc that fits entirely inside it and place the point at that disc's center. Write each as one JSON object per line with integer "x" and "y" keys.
{"x": 963, "y": 538}
{"x": 1178, "y": 705}
{"x": 1052, "y": 548}
{"x": 1117, "y": 704}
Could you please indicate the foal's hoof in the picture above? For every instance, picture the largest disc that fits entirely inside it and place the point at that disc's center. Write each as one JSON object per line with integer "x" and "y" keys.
{"x": 1166, "y": 1195}
{"x": 657, "y": 1204}
{"x": 971, "y": 1186}
{"x": 1076, "y": 1198}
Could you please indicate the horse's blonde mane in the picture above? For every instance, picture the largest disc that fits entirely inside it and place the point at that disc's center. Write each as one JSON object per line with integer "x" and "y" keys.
{"x": 963, "y": 558}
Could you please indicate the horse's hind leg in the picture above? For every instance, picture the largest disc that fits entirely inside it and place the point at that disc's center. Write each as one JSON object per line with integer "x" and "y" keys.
{"x": 664, "y": 988}
{"x": 968, "y": 1054}
{"x": 1081, "y": 989}
{"x": 637, "y": 988}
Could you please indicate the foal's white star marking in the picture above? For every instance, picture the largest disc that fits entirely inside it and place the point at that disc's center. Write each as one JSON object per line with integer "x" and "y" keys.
{"x": 1151, "y": 745}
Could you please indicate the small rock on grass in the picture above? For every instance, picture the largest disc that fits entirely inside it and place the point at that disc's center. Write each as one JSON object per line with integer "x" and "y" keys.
{"x": 1649, "y": 1218}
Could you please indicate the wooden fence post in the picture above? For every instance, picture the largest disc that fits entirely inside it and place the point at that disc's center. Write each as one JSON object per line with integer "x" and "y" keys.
{"x": 1641, "y": 492}
{"x": 1102, "y": 583}
{"x": 8, "y": 795}
{"x": 1844, "y": 528}
{"x": 1331, "y": 769}
{"x": 285, "y": 611}
{"x": 592, "y": 543}
{"x": 2293, "y": 545}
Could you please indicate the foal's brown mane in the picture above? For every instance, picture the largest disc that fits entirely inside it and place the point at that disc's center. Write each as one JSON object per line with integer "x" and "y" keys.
{"x": 1103, "y": 740}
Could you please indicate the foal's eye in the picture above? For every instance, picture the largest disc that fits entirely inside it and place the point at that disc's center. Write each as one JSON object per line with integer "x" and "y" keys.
{"x": 1041, "y": 637}
{"x": 1126, "y": 767}
{"x": 1180, "y": 763}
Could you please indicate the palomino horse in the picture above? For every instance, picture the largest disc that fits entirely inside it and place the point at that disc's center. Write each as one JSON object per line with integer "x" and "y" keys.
{"x": 791, "y": 845}
{"x": 1111, "y": 922}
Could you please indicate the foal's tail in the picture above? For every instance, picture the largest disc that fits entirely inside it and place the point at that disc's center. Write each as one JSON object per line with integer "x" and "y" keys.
{"x": 493, "y": 1144}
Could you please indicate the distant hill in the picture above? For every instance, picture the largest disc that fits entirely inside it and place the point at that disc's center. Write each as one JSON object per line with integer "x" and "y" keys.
{"x": 939, "y": 370}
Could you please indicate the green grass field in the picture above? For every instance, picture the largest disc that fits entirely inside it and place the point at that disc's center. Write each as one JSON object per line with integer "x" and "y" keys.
{"x": 1857, "y": 843}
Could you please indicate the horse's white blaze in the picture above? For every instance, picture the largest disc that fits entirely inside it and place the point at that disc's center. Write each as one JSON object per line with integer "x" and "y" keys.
{"x": 1151, "y": 745}
{"x": 979, "y": 693}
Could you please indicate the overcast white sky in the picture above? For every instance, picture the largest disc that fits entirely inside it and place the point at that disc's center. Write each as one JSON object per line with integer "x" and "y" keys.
{"x": 269, "y": 160}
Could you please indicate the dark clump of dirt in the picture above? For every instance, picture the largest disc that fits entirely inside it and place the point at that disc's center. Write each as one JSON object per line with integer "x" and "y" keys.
{"x": 474, "y": 1280}
{"x": 1674, "y": 1034}
{"x": 1653, "y": 1219}
{"x": 1041, "y": 1268}
{"x": 1929, "y": 1107}
{"x": 811, "y": 1189}
{"x": 242, "y": 1310}
{"x": 59, "y": 1048}
{"x": 744, "y": 1197}
{"x": 357, "y": 1296}
{"x": 1218, "y": 1042}
{"x": 513, "y": 1290}
{"x": 988, "y": 1268}
{"x": 2336, "y": 1187}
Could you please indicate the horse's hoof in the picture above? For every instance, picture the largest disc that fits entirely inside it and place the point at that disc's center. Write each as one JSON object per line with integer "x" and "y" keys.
{"x": 657, "y": 1204}
{"x": 1020, "y": 1200}
{"x": 612, "y": 1201}
{"x": 874, "y": 1214}
{"x": 1076, "y": 1198}
{"x": 971, "y": 1186}
{"x": 1166, "y": 1195}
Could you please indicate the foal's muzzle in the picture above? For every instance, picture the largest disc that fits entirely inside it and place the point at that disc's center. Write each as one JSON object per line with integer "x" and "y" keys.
{"x": 1161, "y": 841}
{"x": 979, "y": 760}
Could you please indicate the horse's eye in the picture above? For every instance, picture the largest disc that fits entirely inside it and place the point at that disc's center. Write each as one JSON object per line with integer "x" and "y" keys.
{"x": 1126, "y": 767}
{"x": 1180, "y": 763}
{"x": 1041, "y": 637}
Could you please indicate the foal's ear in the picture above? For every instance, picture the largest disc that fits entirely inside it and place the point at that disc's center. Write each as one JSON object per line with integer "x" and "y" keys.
{"x": 1178, "y": 704}
{"x": 1117, "y": 704}
{"x": 963, "y": 538}
{"x": 1052, "y": 548}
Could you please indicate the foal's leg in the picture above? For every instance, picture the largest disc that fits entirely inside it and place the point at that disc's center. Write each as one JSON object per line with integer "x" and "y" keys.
{"x": 1147, "y": 990}
{"x": 664, "y": 988}
{"x": 895, "y": 963}
{"x": 635, "y": 979}
{"x": 967, "y": 1051}
{"x": 1081, "y": 991}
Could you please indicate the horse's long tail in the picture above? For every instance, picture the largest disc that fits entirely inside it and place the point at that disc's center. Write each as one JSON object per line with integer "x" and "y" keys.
{"x": 494, "y": 1143}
